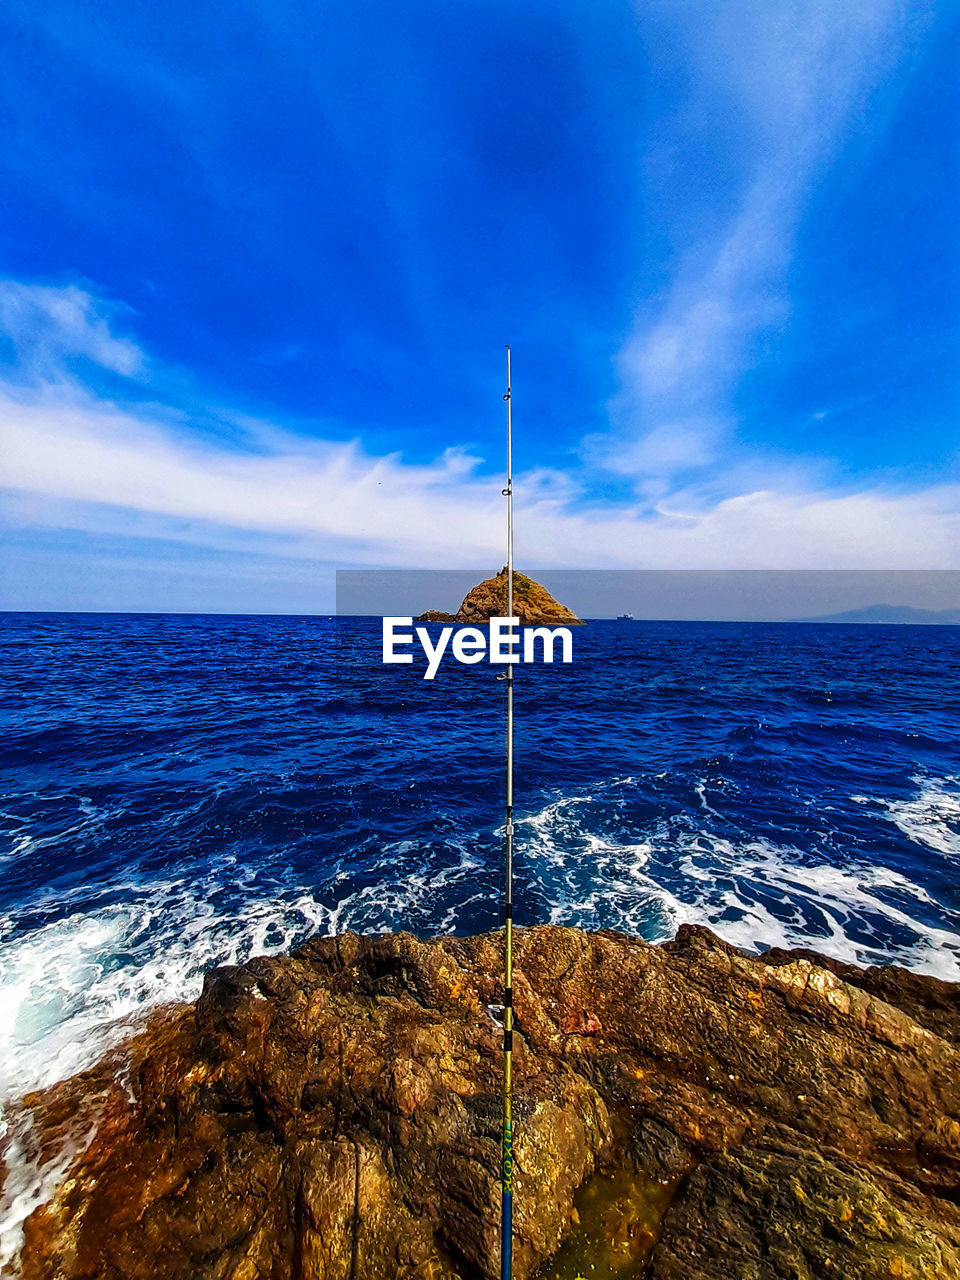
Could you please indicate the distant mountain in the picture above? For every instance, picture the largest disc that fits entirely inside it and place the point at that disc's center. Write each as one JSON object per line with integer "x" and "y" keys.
{"x": 894, "y": 613}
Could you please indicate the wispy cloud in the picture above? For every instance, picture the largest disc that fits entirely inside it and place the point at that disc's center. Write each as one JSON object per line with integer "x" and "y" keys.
{"x": 48, "y": 326}
{"x": 781, "y": 81}
{"x": 81, "y": 451}
{"x": 72, "y": 459}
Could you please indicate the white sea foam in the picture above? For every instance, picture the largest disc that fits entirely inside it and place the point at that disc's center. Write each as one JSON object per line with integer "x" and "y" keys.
{"x": 70, "y": 989}
{"x": 31, "y": 1179}
{"x": 581, "y": 872}
{"x": 755, "y": 893}
{"x": 67, "y": 986}
{"x": 830, "y": 907}
{"x": 930, "y": 818}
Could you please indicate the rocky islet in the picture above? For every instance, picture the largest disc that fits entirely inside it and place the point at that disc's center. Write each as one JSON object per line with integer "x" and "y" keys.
{"x": 532, "y": 604}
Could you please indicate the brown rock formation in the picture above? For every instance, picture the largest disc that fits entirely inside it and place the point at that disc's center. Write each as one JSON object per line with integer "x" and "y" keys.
{"x": 335, "y": 1114}
{"x": 532, "y": 604}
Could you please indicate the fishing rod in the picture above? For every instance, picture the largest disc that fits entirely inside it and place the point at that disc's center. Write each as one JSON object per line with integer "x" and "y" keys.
{"x": 506, "y": 1228}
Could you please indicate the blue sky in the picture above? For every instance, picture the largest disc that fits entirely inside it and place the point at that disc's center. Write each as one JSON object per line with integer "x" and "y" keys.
{"x": 260, "y": 260}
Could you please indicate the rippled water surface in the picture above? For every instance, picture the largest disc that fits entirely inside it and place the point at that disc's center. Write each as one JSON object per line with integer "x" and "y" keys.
{"x": 184, "y": 791}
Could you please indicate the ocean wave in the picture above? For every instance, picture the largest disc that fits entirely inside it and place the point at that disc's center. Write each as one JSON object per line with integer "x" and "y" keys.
{"x": 74, "y": 970}
{"x": 930, "y": 818}
{"x": 755, "y": 893}
{"x": 69, "y": 986}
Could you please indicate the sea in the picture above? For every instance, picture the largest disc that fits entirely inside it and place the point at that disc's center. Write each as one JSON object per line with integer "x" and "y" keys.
{"x": 180, "y": 792}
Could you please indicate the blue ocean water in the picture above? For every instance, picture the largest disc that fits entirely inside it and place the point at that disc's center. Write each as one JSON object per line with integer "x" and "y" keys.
{"x": 184, "y": 791}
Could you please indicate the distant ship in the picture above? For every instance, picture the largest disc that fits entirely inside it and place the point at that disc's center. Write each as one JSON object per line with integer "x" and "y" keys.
{"x": 625, "y": 617}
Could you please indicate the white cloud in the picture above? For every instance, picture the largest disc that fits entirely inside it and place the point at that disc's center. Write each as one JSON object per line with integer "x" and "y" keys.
{"x": 71, "y": 460}
{"x": 669, "y": 448}
{"x": 782, "y": 80}
{"x": 49, "y": 324}
{"x": 71, "y": 448}
{"x": 336, "y": 502}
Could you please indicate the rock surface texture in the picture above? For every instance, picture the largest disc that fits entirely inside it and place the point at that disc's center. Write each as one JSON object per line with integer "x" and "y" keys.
{"x": 334, "y": 1115}
{"x": 532, "y": 604}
